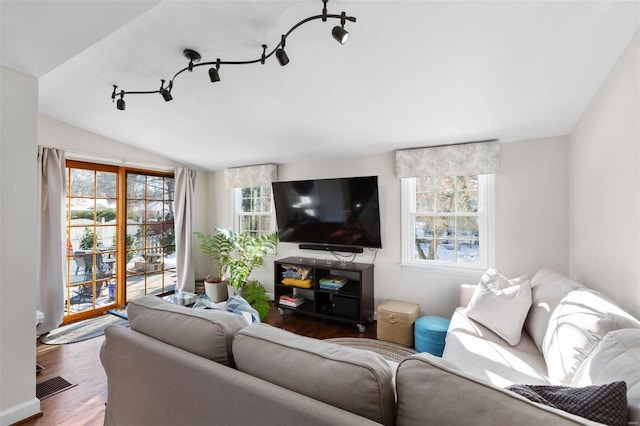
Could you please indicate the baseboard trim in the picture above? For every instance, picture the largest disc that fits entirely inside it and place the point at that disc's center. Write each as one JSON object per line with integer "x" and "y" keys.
{"x": 21, "y": 413}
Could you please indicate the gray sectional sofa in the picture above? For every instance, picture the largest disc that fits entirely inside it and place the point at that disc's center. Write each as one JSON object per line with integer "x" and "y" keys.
{"x": 182, "y": 366}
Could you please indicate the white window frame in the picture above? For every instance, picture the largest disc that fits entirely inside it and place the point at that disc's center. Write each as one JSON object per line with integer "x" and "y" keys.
{"x": 486, "y": 229}
{"x": 236, "y": 194}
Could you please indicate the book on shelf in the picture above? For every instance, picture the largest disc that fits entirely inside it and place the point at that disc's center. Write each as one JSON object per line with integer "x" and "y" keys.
{"x": 334, "y": 280}
{"x": 291, "y": 301}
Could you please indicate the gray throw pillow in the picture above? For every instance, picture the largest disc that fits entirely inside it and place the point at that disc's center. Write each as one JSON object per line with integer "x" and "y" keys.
{"x": 605, "y": 404}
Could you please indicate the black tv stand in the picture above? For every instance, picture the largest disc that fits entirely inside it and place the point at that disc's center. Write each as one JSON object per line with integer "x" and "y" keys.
{"x": 353, "y": 303}
{"x": 330, "y": 247}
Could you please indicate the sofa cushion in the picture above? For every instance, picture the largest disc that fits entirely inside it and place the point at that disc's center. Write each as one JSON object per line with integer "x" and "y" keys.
{"x": 617, "y": 357}
{"x": 501, "y": 304}
{"x": 207, "y": 333}
{"x": 576, "y": 327}
{"x": 355, "y": 380}
{"x": 606, "y": 404}
{"x": 547, "y": 289}
{"x": 480, "y": 352}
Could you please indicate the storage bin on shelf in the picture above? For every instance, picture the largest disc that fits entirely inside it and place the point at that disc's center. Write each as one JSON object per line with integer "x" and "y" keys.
{"x": 395, "y": 321}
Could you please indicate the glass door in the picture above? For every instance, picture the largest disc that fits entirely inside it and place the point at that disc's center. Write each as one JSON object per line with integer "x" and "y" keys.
{"x": 150, "y": 237}
{"x": 92, "y": 227}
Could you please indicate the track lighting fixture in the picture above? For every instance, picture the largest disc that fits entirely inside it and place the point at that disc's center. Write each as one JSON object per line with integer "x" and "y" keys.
{"x": 166, "y": 92}
{"x": 120, "y": 103}
{"x": 338, "y": 32}
{"x": 214, "y": 75}
{"x": 281, "y": 55}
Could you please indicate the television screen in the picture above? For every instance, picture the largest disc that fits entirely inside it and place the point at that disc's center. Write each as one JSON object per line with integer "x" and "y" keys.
{"x": 343, "y": 211}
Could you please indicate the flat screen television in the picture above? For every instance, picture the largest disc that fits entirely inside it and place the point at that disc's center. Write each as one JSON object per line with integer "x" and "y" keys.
{"x": 329, "y": 212}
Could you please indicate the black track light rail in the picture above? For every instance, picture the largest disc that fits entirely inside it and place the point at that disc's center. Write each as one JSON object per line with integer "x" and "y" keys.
{"x": 194, "y": 56}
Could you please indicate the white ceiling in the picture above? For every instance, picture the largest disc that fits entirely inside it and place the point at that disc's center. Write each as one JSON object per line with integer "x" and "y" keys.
{"x": 413, "y": 73}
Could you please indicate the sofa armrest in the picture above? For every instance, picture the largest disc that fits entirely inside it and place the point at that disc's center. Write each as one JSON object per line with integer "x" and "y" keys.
{"x": 432, "y": 388}
{"x": 466, "y": 292}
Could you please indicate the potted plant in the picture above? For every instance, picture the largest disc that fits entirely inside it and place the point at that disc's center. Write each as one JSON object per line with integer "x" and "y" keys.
{"x": 246, "y": 253}
{"x": 216, "y": 246}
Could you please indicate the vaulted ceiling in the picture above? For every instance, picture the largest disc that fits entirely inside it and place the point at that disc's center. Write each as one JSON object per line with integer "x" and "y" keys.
{"x": 413, "y": 73}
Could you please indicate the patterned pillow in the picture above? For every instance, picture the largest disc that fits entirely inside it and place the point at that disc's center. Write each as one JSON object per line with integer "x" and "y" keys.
{"x": 603, "y": 404}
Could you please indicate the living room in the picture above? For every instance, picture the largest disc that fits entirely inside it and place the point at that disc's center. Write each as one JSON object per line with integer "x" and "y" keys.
{"x": 558, "y": 194}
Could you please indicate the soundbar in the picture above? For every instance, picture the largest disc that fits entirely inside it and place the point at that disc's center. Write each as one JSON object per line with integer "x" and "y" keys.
{"x": 329, "y": 247}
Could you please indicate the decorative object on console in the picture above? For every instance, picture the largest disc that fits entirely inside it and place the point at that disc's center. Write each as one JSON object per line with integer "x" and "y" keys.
{"x": 339, "y": 34}
{"x": 297, "y": 276}
{"x": 332, "y": 282}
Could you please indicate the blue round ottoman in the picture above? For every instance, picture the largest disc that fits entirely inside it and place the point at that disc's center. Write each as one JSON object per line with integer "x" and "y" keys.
{"x": 429, "y": 334}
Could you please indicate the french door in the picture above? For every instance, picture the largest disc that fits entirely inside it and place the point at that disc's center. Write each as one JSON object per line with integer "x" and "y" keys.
{"x": 120, "y": 237}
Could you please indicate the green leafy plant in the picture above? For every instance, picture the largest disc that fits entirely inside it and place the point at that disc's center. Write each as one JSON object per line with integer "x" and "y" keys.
{"x": 256, "y": 295}
{"x": 247, "y": 253}
{"x": 88, "y": 239}
{"x": 217, "y": 246}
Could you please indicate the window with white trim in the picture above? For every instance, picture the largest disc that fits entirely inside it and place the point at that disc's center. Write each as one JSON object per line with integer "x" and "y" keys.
{"x": 253, "y": 210}
{"x": 447, "y": 222}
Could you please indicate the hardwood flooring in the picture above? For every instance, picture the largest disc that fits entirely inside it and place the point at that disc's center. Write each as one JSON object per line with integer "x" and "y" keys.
{"x": 79, "y": 363}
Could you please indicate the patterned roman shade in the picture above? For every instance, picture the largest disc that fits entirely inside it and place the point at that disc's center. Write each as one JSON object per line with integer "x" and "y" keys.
{"x": 250, "y": 176}
{"x": 467, "y": 159}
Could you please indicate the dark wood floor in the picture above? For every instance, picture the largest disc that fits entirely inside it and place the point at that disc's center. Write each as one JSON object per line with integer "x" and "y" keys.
{"x": 79, "y": 363}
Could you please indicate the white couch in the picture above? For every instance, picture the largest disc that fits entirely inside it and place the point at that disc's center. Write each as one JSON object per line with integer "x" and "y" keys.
{"x": 572, "y": 336}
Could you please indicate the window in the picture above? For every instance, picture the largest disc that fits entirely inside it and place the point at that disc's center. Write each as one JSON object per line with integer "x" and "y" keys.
{"x": 253, "y": 210}
{"x": 447, "y": 222}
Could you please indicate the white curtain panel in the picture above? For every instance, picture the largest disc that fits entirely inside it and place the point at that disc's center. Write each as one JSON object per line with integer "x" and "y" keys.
{"x": 468, "y": 159}
{"x": 50, "y": 281}
{"x": 185, "y": 184}
{"x": 250, "y": 176}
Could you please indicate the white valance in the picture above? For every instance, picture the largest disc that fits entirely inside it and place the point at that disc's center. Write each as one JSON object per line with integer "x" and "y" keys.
{"x": 250, "y": 176}
{"x": 468, "y": 159}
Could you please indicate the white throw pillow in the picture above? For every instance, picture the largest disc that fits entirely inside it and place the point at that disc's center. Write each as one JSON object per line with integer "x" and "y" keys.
{"x": 577, "y": 325}
{"x": 501, "y": 305}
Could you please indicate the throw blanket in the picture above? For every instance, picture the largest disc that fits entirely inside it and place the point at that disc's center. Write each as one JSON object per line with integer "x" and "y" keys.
{"x": 236, "y": 304}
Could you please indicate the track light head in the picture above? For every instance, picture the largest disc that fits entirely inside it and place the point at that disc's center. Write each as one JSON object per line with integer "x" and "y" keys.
{"x": 166, "y": 91}
{"x": 282, "y": 57}
{"x": 120, "y": 102}
{"x": 166, "y": 95}
{"x": 340, "y": 34}
{"x": 214, "y": 75}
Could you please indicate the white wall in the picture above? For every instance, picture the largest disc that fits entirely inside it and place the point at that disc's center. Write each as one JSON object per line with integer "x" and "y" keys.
{"x": 532, "y": 207}
{"x": 18, "y": 154}
{"x": 605, "y": 186}
{"x": 531, "y": 203}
